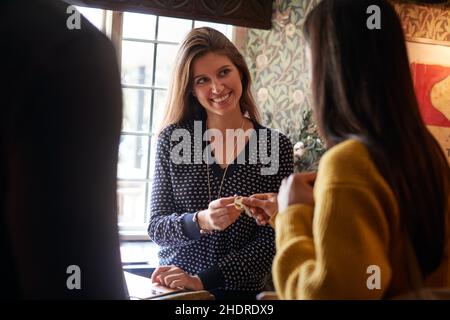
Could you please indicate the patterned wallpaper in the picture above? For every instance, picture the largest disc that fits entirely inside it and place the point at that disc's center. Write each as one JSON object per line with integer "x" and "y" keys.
{"x": 279, "y": 69}
{"x": 278, "y": 65}
{"x": 425, "y": 21}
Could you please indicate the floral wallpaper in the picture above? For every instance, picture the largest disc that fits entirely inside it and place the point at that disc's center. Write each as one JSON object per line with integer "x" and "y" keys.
{"x": 425, "y": 21}
{"x": 280, "y": 73}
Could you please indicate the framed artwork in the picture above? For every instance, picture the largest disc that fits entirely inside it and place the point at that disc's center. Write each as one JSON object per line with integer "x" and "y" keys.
{"x": 430, "y": 67}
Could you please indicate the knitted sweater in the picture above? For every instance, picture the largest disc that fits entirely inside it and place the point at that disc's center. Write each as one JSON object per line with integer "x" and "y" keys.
{"x": 238, "y": 258}
{"x": 329, "y": 251}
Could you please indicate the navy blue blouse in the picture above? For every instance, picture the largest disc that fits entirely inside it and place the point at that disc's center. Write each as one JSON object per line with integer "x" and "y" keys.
{"x": 240, "y": 257}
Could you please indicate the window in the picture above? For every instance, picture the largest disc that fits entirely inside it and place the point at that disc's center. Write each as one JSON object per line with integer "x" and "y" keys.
{"x": 95, "y": 16}
{"x": 147, "y": 46}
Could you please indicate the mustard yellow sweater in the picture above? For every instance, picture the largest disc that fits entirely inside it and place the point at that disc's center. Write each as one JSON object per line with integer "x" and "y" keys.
{"x": 325, "y": 252}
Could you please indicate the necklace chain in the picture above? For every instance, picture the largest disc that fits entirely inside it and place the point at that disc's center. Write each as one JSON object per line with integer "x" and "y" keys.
{"x": 226, "y": 169}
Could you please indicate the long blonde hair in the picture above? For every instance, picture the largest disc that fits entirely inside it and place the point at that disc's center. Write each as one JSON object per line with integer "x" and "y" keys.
{"x": 181, "y": 105}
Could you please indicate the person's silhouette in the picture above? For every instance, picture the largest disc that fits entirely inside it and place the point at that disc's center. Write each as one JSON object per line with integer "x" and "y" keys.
{"x": 60, "y": 127}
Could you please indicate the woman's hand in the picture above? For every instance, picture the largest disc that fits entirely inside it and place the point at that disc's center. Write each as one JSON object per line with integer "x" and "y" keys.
{"x": 220, "y": 214}
{"x": 297, "y": 188}
{"x": 263, "y": 206}
{"x": 175, "y": 277}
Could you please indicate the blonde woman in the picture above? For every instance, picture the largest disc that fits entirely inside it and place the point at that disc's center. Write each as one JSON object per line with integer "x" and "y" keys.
{"x": 205, "y": 242}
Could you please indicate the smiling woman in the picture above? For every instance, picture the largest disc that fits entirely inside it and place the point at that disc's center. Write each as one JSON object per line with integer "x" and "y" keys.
{"x": 148, "y": 48}
{"x": 205, "y": 242}
{"x": 217, "y": 84}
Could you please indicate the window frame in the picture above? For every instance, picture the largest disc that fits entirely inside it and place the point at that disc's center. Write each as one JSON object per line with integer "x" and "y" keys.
{"x": 112, "y": 26}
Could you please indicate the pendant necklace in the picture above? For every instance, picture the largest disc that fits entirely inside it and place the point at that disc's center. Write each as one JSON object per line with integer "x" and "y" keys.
{"x": 226, "y": 169}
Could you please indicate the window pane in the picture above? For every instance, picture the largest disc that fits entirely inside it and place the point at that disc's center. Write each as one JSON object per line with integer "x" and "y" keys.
{"x": 165, "y": 59}
{"x": 95, "y": 16}
{"x": 173, "y": 29}
{"x": 224, "y": 28}
{"x": 131, "y": 202}
{"x": 149, "y": 195}
{"x": 138, "y": 69}
{"x": 159, "y": 104}
{"x": 137, "y": 62}
{"x": 139, "y": 26}
{"x": 136, "y": 113}
{"x": 133, "y": 153}
{"x": 152, "y": 156}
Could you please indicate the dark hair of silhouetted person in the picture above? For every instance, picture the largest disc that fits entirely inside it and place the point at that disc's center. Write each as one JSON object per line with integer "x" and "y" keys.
{"x": 362, "y": 87}
{"x": 60, "y": 118}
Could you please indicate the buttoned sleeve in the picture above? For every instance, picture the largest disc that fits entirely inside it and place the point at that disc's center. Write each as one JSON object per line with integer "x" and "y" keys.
{"x": 168, "y": 226}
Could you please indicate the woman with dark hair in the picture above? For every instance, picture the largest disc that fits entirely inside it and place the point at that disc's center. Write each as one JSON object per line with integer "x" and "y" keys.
{"x": 205, "y": 242}
{"x": 384, "y": 181}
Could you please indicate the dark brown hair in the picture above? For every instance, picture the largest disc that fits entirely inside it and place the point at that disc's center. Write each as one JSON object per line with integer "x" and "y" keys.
{"x": 181, "y": 105}
{"x": 362, "y": 86}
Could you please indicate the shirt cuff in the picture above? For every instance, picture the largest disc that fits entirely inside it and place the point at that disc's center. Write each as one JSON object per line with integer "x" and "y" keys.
{"x": 212, "y": 278}
{"x": 190, "y": 228}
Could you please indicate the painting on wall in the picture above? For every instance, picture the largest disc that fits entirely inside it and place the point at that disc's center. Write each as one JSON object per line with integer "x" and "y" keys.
{"x": 430, "y": 66}
{"x": 427, "y": 32}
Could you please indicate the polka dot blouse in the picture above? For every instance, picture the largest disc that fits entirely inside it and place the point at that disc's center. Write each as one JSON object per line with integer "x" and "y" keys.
{"x": 238, "y": 258}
